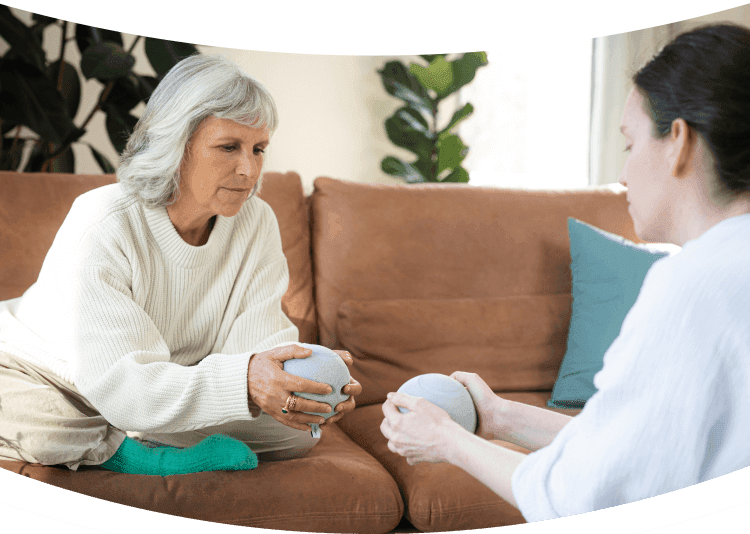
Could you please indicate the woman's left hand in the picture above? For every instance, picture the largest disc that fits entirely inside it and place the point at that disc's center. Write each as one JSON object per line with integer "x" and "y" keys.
{"x": 422, "y": 435}
{"x": 353, "y": 389}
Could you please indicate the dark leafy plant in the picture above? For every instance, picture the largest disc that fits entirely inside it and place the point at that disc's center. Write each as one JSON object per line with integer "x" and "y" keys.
{"x": 415, "y": 127}
{"x": 44, "y": 94}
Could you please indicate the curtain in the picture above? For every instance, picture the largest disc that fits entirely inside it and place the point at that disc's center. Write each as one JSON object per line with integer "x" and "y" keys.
{"x": 615, "y": 59}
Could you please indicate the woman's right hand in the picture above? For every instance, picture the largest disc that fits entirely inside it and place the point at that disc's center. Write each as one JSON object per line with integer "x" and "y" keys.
{"x": 269, "y": 387}
{"x": 489, "y": 406}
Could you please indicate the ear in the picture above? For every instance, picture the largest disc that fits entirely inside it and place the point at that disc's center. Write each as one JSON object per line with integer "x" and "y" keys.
{"x": 681, "y": 140}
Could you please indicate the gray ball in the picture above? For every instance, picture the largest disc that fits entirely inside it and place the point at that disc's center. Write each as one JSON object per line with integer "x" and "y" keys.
{"x": 325, "y": 366}
{"x": 445, "y": 392}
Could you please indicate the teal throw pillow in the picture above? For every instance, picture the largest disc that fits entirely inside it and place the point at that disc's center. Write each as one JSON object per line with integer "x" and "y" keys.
{"x": 608, "y": 271}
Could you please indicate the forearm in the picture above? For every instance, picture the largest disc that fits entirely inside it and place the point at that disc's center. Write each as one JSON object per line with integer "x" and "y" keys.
{"x": 528, "y": 426}
{"x": 491, "y": 464}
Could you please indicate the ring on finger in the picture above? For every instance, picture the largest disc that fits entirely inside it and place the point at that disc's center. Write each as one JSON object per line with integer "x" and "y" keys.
{"x": 291, "y": 401}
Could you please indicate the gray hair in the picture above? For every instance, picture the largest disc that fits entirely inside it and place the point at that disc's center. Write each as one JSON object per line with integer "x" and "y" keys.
{"x": 197, "y": 87}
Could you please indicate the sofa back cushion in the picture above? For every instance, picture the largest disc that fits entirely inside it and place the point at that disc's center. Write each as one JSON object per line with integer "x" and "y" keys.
{"x": 401, "y": 271}
{"x": 34, "y": 205}
{"x": 32, "y": 208}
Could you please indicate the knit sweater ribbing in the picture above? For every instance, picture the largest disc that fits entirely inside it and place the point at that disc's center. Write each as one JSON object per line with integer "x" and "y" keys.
{"x": 155, "y": 333}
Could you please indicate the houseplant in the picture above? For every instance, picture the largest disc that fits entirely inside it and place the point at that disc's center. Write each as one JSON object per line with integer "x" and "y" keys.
{"x": 44, "y": 94}
{"x": 414, "y": 126}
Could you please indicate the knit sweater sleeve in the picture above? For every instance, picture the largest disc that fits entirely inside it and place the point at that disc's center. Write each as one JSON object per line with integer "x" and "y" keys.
{"x": 123, "y": 366}
{"x": 261, "y": 324}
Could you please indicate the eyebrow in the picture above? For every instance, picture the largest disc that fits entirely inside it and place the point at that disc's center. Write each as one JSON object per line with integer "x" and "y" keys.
{"x": 235, "y": 139}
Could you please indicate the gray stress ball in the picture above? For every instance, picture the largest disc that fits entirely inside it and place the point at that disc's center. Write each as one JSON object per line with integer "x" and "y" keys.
{"x": 447, "y": 393}
{"x": 325, "y": 366}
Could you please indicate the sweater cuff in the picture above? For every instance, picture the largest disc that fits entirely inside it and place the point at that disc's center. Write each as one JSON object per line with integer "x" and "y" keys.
{"x": 529, "y": 487}
{"x": 235, "y": 400}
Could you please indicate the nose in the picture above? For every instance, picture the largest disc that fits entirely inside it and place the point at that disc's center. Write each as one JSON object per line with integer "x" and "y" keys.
{"x": 247, "y": 165}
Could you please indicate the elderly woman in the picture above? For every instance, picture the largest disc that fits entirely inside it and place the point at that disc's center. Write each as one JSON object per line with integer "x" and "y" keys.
{"x": 153, "y": 340}
{"x": 672, "y": 407}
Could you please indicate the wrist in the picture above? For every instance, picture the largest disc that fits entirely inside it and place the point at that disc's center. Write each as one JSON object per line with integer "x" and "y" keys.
{"x": 503, "y": 419}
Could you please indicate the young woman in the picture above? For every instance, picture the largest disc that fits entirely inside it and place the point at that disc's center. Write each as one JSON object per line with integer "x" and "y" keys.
{"x": 672, "y": 406}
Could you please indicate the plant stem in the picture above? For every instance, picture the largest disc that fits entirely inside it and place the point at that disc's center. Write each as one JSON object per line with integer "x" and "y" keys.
{"x": 102, "y": 98}
{"x": 138, "y": 38}
{"x": 62, "y": 55}
{"x": 434, "y": 144}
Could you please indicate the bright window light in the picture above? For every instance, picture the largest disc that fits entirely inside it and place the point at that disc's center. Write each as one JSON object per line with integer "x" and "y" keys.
{"x": 530, "y": 127}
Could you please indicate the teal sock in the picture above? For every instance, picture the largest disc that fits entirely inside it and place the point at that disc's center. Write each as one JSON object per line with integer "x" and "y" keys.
{"x": 215, "y": 453}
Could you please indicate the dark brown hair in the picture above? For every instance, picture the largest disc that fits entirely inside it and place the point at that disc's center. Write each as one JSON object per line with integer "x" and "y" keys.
{"x": 703, "y": 77}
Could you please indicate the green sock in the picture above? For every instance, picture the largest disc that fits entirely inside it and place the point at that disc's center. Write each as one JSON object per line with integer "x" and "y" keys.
{"x": 214, "y": 453}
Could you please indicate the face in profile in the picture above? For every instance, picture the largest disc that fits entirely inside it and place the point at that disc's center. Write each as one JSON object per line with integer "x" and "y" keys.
{"x": 222, "y": 164}
{"x": 646, "y": 173}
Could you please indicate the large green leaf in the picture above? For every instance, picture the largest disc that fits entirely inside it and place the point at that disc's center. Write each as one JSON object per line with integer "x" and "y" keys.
{"x": 103, "y": 162}
{"x": 106, "y": 61}
{"x": 396, "y": 167}
{"x": 125, "y": 93}
{"x": 399, "y": 82}
{"x": 451, "y": 152}
{"x": 427, "y": 168}
{"x": 119, "y": 125}
{"x": 458, "y": 116}
{"x": 36, "y": 159}
{"x": 88, "y": 35}
{"x": 459, "y": 175}
{"x": 405, "y": 130}
{"x": 438, "y": 76}
{"x": 30, "y": 98}
{"x": 70, "y": 88}
{"x": 11, "y": 155}
{"x": 21, "y": 39}
{"x": 65, "y": 162}
{"x": 146, "y": 86}
{"x": 464, "y": 70}
{"x": 163, "y": 55}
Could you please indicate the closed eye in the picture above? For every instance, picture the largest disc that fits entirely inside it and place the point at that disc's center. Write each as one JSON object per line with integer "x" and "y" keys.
{"x": 229, "y": 148}
{"x": 259, "y": 150}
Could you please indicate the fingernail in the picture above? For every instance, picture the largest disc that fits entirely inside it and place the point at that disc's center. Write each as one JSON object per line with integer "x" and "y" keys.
{"x": 389, "y": 395}
{"x": 321, "y": 421}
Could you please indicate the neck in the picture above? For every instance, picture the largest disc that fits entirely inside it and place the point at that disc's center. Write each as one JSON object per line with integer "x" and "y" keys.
{"x": 707, "y": 211}
{"x": 193, "y": 231}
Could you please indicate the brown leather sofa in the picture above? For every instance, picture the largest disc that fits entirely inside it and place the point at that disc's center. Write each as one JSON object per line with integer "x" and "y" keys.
{"x": 410, "y": 279}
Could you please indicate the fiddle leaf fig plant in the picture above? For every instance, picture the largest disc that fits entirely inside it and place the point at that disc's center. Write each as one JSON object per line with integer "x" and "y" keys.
{"x": 44, "y": 94}
{"x": 414, "y": 126}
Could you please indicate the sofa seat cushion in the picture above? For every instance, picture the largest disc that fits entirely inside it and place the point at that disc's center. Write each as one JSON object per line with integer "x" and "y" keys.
{"x": 513, "y": 343}
{"x": 468, "y": 504}
{"x": 336, "y": 487}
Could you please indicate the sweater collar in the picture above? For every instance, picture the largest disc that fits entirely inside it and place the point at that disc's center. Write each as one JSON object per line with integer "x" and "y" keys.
{"x": 182, "y": 253}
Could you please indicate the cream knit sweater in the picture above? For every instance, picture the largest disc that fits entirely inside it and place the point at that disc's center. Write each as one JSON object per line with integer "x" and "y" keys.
{"x": 155, "y": 333}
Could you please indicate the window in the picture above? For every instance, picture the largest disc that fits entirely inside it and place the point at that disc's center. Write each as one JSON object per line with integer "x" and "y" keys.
{"x": 530, "y": 126}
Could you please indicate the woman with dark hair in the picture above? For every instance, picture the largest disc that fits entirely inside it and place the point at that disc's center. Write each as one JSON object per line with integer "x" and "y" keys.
{"x": 672, "y": 405}
{"x": 153, "y": 340}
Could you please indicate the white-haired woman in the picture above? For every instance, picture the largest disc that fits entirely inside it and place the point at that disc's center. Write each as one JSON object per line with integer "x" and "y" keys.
{"x": 156, "y": 318}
